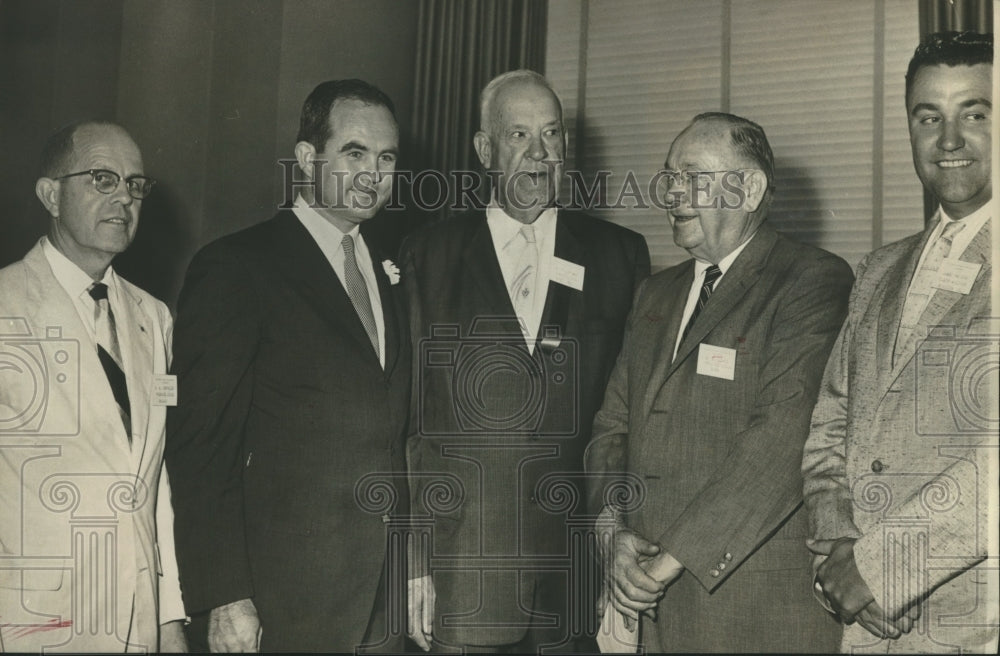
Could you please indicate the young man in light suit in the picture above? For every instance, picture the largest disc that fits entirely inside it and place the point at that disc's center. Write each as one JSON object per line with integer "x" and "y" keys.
{"x": 709, "y": 406}
{"x": 86, "y": 528}
{"x": 901, "y": 456}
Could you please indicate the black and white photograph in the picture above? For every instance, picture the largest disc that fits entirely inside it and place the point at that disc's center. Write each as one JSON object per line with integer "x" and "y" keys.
{"x": 499, "y": 326}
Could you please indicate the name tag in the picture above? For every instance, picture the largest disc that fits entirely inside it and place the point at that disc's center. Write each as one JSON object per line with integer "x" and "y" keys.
{"x": 956, "y": 276}
{"x": 164, "y": 390}
{"x": 567, "y": 273}
{"x": 716, "y": 361}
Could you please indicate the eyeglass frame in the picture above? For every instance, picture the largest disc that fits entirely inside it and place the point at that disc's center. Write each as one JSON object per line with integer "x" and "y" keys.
{"x": 118, "y": 180}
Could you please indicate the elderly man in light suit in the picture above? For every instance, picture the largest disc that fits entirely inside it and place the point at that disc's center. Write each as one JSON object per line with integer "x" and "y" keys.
{"x": 709, "y": 406}
{"x": 86, "y": 529}
{"x": 897, "y": 464}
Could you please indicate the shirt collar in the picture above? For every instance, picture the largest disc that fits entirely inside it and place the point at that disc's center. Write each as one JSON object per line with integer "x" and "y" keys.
{"x": 317, "y": 224}
{"x": 72, "y": 278}
{"x": 504, "y": 227}
{"x": 973, "y": 224}
{"x": 724, "y": 263}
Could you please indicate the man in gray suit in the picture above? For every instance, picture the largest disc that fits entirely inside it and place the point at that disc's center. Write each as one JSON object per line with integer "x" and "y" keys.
{"x": 709, "y": 405}
{"x": 897, "y": 466}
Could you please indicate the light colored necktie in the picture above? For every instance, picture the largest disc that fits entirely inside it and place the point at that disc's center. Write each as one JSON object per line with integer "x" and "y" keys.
{"x": 922, "y": 287}
{"x": 109, "y": 352}
{"x": 522, "y": 287}
{"x": 358, "y": 291}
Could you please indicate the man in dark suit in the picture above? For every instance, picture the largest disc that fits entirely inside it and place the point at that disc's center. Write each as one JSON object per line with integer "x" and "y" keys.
{"x": 901, "y": 458}
{"x": 709, "y": 405}
{"x": 293, "y": 365}
{"x": 518, "y": 311}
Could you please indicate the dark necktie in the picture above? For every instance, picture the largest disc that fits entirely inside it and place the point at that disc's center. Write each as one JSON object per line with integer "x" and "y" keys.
{"x": 358, "y": 292}
{"x": 712, "y": 274}
{"x": 109, "y": 353}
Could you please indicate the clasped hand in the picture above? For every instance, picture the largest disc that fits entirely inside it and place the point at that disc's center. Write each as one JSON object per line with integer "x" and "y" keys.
{"x": 636, "y": 573}
{"x": 849, "y": 595}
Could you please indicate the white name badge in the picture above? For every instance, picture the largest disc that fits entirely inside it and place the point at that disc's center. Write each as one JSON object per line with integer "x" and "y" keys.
{"x": 164, "y": 390}
{"x": 956, "y": 276}
{"x": 716, "y": 361}
{"x": 567, "y": 273}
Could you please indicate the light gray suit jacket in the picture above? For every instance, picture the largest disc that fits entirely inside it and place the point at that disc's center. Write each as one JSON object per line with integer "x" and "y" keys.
{"x": 898, "y": 454}
{"x": 86, "y": 529}
{"x": 720, "y": 458}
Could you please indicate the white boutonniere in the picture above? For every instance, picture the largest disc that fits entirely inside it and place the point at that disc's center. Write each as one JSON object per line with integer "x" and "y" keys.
{"x": 392, "y": 271}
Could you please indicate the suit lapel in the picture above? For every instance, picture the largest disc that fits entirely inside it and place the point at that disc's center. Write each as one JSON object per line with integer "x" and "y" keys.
{"x": 310, "y": 274}
{"x": 562, "y": 302}
{"x": 891, "y": 309}
{"x": 136, "y": 339}
{"x": 94, "y": 402}
{"x": 480, "y": 262}
{"x": 669, "y": 308}
{"x": 391, "y": 314}
{"x": 942, "y": 302}
{"x": 742, "y": 275}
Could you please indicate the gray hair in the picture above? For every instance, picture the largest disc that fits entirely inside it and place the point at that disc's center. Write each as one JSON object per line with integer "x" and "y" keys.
{"x": 489, "y": 93}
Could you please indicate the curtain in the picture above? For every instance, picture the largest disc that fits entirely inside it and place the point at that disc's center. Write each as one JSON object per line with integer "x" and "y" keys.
{"x": 461, "y": 45}
{"x": 955, "y": 15}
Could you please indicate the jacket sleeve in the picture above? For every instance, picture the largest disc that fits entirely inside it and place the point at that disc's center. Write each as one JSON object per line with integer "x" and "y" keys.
{"x": 215, "y": 340}
{"x": 826, "y": 493}
{"x": 605, "y": 458}
{"x": 759, "y": 484}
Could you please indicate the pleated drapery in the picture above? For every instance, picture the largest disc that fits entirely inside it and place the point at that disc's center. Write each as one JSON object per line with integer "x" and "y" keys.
{"x": 462, "y": 45}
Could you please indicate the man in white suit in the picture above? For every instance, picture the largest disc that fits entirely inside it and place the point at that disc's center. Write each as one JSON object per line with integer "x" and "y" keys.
{"x": 901, "y": 454}
{"x": 86, "y": 528}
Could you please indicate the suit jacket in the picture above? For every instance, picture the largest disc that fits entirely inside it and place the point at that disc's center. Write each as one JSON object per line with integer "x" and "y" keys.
{"x": 500, "y": 428}
{"x": 285, "y": 438}
{"x": 719, "y": 459}
{"x": 898, "y": 454}
{"x": 82, "y": 515}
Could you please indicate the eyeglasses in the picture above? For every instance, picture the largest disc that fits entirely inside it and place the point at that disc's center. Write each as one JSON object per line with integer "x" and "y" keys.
{"x": 106, "y": 182}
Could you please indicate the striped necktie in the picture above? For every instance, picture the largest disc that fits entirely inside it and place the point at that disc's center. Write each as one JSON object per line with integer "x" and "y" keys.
{"x": 109, "y": 353}
{"x": 712, "y": 274}
{"x": 358, "y": 291}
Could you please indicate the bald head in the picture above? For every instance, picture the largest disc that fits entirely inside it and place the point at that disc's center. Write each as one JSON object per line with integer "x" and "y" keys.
{"x": 88, "y": 169}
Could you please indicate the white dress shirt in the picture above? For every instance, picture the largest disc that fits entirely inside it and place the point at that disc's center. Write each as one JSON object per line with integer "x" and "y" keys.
{"x": 973, "y": 224}
{"x": 503, "y": 230}
{"x": 77, "y": 285}
{"x": 699, "y": 279}
{"x": 328, "y": 237}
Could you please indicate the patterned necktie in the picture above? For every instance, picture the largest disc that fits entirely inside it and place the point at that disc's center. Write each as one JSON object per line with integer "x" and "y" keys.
{"x": 358, "y": 291}
{"x": 922, "y": 287}
{"x": 522, "y": 287}
{"x": 712, "y": 274}
{"x": 109, "y": 352}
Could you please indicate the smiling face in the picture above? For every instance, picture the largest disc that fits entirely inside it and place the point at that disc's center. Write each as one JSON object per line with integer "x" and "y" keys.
{"x": 525, "y": 147}
{"x": 704, "y": 225}
{"x": 950, "y": 119}
{"x": 89, "y": 227}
